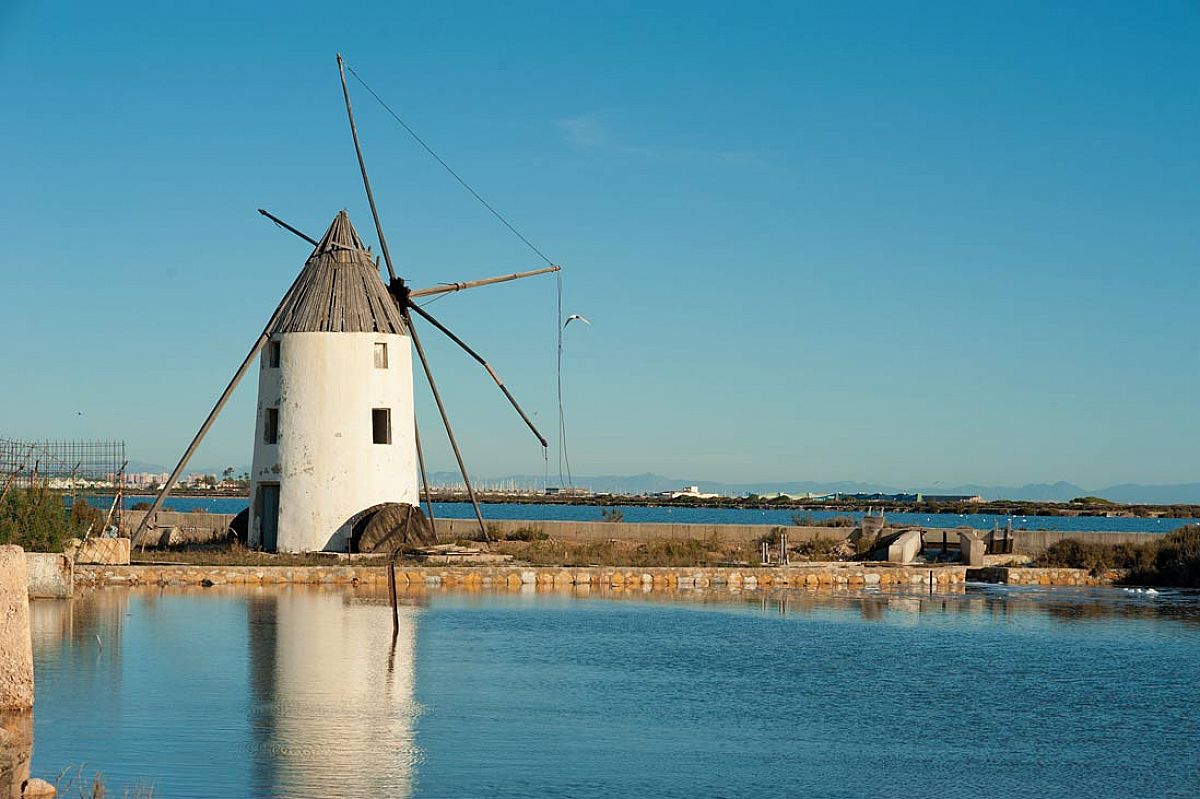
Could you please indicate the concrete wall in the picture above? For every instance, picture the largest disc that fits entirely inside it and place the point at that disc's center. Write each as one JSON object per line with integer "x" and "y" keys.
{"x": 190, "y": 527}
{"x": 450, "y": 529}
{"x": 51, "y": 575}
{"x": 1031, "y": 542}
{"x": 327, "y": 468}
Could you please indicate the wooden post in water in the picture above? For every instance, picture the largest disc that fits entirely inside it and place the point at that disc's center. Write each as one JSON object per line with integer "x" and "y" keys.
{"x": 391, "y": 575}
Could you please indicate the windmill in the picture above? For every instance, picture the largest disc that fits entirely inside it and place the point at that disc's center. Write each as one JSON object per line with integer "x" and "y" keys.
{"x": 337, "y": 449}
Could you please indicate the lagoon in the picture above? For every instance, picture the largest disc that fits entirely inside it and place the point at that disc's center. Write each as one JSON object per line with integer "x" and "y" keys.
{"x": 300, "y": 692}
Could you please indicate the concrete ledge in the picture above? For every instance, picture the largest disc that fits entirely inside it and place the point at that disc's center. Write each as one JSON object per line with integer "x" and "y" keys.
{"x": 51, "y": 575}
{"x": 809, "y": 576}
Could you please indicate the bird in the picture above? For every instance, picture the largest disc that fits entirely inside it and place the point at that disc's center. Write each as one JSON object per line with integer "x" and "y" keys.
{"x": 575, "y": 316}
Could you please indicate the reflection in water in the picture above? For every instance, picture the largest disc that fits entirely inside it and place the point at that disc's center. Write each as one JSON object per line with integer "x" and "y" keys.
{"x": 332, "y": 710}
{"x": 16, "y": 746}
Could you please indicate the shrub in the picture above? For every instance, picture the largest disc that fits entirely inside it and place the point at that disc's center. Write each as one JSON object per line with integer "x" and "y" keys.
{"x": 527, "y": 534}
{"x": 1174, "y": 560}
{"x": 142, "y": 506}
{"x": 808, "y": 520}
{"x": 613, "y": 515}
{"x": 1177, "y": 561}
{"x": 36, "y": 519}
{"x": 817, "y": 548}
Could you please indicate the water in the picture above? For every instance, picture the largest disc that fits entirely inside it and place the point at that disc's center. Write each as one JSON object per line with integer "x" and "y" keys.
{"x": 294, "y": 692}
{"x": 684, "y": 515}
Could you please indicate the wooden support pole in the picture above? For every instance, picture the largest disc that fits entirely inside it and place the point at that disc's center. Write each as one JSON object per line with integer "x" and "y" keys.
{"x": 362, "y": 167}
{"x": 495, "y": 377}
{"x": 288, "y": 227}
{"x": 391, "y": 578}
{"x": 437, "y": 397}
{"x": 487, "y": 281}
{"x": 263, "y": 338}
{"x": 424, "y": 478}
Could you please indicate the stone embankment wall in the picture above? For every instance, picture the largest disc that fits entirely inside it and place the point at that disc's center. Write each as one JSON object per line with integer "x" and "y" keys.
{"x": 825, "y": 575}
{"x": 1032, "y": 576}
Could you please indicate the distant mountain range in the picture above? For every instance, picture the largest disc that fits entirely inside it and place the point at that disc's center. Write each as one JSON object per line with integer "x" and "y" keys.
{"x": 648, "y": 483}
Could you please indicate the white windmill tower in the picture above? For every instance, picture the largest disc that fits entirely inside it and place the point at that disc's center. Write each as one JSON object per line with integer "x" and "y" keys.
{"x": 335, "y": 404}
{"x": 336, "y": 443}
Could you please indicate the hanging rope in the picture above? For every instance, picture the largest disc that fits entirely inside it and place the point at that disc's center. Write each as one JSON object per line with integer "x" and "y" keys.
{"x": 446, "y": 166}
{"x": 564, "y": 459}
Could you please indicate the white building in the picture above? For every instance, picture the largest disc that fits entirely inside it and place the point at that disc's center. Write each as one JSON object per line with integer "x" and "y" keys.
{"x": 335, "y": 429}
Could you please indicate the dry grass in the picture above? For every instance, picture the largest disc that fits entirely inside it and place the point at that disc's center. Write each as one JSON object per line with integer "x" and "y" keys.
{"x": 230, "y": 555}
{"x": 688, "y": 552}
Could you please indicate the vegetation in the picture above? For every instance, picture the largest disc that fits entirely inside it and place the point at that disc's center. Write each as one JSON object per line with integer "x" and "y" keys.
{"x": 613, "y": 515}
{"x": 1092, "y": 501}
{"x": 36, "y": 519}
{"x": 531, "y": 533}
{"x": 1174, "y": 560}
{"x": 142, "y": 506}
{"x": 234, "y": 554}
{"x": 821, "y": 549}
{"x": 686, "y": 552}
{"x": 808, "y": 520}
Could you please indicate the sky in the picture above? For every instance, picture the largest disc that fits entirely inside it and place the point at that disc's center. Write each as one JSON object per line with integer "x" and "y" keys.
{"x": 899, "y": 243}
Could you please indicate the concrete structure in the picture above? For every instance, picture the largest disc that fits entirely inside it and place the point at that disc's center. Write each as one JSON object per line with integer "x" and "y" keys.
{"x": 51, "y": 575}
{"x": 872, "y": 525}
{"x": 180, "y": 528}
{"x": 101, "y": 551}
{"x": 973, "y": 547}
{"x": 906, "y": 547}
{"x": 335, "y": 430}
{"x": 16, "y": 644}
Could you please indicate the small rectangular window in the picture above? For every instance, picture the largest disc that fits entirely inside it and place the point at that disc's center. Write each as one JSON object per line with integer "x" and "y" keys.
{"x": 272, "y": 354}
{"x": 271, "y": 426}
{"x": 381, "y": 355}
{"x": 381, "y": 425}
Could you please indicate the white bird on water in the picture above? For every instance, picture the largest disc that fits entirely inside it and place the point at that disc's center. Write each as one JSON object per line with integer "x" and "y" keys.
{"x": 575, "y": 316}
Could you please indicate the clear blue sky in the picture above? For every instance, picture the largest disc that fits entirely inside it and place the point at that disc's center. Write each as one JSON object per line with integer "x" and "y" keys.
{"x": 876, "y": 241}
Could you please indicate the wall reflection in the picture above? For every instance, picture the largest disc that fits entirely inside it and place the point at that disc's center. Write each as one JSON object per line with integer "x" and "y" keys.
{"x": 332, "y": 705}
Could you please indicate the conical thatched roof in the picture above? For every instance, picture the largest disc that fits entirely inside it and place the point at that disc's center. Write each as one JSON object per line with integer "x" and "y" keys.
{"x": 339, "y": 290}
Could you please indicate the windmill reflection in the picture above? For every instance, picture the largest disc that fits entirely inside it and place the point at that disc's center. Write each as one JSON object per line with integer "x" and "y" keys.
{"x": 331, "y": 695}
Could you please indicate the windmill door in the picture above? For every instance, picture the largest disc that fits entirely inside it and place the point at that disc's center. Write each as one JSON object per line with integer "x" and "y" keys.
{"x": 268, "y": 516}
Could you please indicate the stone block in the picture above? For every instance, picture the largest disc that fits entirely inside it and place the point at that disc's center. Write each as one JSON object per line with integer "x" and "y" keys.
{"x": 16, "y": 645}
{"x": 103, "y": 552}
{"x": 972, "y": 546}
{"x": 51, "y": 575}
{"x": 905, "y": 548}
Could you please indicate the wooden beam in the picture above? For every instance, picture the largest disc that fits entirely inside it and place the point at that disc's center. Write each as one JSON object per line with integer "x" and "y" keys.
{"x": 487, "y": 281}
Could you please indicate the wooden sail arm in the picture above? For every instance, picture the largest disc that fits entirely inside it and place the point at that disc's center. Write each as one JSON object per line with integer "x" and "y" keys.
{"x": 487, "y": 281}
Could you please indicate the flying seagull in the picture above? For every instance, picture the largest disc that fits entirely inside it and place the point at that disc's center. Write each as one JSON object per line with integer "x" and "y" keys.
{"x": 575, "y": 316}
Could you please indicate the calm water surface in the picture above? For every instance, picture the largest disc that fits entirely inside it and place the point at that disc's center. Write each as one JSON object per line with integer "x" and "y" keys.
{"x": 295, "y": 692}
{"x": 639, "y": 513}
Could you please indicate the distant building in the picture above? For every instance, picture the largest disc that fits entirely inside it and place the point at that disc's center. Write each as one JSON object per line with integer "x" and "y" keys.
{"x": 692, "y": 492}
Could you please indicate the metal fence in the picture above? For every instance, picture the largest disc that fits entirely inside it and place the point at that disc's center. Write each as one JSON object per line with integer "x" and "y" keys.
{"x": 61, "y": 464}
